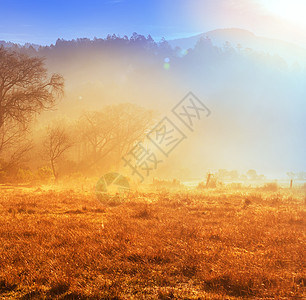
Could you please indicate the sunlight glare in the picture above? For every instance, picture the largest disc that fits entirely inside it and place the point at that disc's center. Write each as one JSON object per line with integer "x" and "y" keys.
{"x": 293, "y": 10}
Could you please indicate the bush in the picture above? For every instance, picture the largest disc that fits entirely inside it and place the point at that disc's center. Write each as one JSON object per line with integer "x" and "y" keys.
{"x": 270, "y": 187}
{"x": 44, "y": 173}
{"x": 24, "y": 175}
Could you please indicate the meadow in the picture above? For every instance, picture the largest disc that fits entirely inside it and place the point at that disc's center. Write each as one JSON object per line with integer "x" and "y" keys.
{"x": 244, "y": 243}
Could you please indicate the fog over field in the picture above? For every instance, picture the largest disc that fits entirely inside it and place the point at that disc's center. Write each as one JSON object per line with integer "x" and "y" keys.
{"x": 257, "y": 98}
{"x": 152, "y": 149}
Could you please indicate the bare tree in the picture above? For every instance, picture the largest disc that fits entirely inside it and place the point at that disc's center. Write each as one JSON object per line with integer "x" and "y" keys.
{"x": 133, "y": 123}
{"x": 25, "y": 90}
{"x": 15, "y": 148}
{"x": 56, "y": 143}
{"x": 112, "y": 131}
{"x": 96, "y": 132}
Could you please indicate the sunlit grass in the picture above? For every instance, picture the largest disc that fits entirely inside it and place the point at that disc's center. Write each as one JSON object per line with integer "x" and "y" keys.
{"x": 187, "y": 245}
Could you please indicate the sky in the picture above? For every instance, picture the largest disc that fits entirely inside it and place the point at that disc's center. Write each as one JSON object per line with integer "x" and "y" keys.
{"x": 44, "y": 21}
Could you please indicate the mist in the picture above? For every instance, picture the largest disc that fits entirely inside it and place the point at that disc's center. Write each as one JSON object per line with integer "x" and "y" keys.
{"x": 256, "y": 99}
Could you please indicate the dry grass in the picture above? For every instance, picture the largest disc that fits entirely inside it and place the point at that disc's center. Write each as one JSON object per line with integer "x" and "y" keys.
{"x": 188, "y": 245}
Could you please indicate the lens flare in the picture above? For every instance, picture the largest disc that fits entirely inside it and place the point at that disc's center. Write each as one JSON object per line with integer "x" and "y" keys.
{"x": 166, "y": 66}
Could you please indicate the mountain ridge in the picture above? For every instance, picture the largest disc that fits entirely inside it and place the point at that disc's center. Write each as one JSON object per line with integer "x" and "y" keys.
{"x": 236, "y": 37}
{"x": 290, "y": 52}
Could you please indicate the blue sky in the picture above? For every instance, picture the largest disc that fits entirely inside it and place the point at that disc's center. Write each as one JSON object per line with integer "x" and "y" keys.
{"x": 43, "y": 21}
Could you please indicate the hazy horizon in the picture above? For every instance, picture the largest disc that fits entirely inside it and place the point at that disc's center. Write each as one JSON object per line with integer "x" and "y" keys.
{"x": 252, "y": 125}
{"x": 254, "y": 86}
{"x": 42, "y": 23}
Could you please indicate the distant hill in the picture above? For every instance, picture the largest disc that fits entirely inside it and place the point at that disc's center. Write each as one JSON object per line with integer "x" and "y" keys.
{"x": 257, "y": 100}
{"x": 246, "y": 39}
{"x": 238, "y": 38}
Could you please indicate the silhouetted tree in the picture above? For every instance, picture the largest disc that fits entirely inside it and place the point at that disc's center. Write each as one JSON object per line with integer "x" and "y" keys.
{"x": 56, "y": 143}
{"x": 14, "y": 146}
{"x": 112, "y": 132}
{"x": 25, "y": 88}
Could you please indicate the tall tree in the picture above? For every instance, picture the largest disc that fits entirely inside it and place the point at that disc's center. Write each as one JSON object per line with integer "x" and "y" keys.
{"x": 25, "y": 90}
{"x": 56, "y": 143}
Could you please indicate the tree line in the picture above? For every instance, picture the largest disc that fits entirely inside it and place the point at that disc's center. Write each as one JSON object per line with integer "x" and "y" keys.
{"x": 95, "y": 141}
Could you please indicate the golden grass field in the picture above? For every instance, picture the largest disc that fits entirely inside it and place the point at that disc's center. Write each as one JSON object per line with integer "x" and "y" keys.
{"x": 209, "y": 244}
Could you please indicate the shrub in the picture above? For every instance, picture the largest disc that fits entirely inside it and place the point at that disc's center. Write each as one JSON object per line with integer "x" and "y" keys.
{"x": 24, "y": 175}
{"x": 270, "y": 187}
{"x": 44, "y": 173}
